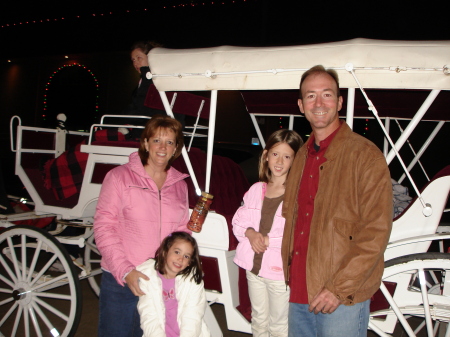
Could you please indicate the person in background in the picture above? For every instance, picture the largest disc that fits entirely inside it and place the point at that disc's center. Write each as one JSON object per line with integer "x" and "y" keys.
{"x": 139, "y": 52}
{"x": 139, "y": 57}
{"x": 140, "y": 203}
{"x": 258, "y": 226}
{"x": 338, "y": 210}
{"x": 175, "y": 301}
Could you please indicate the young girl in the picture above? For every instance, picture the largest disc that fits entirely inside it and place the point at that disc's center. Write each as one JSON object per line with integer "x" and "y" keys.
{"x": 174, "y": 302}
{"x": 258, "y": 226}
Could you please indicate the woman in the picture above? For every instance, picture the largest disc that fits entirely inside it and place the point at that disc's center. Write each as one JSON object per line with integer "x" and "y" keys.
{"x": 140, "y": 203}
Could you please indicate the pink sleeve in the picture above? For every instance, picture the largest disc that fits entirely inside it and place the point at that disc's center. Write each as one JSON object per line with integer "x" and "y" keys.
{"x": 107, "y": 228}
{"x": 242, "y": 219}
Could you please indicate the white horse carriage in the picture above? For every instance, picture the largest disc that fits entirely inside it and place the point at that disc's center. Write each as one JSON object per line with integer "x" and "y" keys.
{"x": 414, "y": 295}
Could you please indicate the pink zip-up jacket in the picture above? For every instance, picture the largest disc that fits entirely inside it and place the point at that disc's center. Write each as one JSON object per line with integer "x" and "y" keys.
{"x": 133, "y": 216}
{"x": 249, "y": 215}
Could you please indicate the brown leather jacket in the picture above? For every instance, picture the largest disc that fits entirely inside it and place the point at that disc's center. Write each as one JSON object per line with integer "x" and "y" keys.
{"x": 352, "y": 218}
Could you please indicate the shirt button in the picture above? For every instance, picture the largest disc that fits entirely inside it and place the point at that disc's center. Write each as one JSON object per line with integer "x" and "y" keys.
{"x": 301, "y": 233}
{"x": 307, "y": 214}
{"x": 296, "y": 253}
{"x": 310, "y": 176}
{"x": 317, "y": 158}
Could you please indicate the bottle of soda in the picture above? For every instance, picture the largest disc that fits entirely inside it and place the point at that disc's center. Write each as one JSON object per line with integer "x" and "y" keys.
{"x": 199, "y": 212}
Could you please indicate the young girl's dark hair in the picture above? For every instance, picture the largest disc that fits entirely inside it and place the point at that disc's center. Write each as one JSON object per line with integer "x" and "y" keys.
{"x": 289, "y": 137}
{"x": 194, "y": 266}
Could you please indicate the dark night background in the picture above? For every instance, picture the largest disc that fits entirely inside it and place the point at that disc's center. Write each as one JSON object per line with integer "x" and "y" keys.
{"x": 89, "y": 27}
{"x": 98, "y": 35}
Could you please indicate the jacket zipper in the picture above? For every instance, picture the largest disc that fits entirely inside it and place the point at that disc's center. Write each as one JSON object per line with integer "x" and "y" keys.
{"x": 160, "y": 216}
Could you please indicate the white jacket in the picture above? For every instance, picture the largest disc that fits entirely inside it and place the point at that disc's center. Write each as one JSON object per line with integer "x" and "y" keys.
{"x": 191, "y": 305}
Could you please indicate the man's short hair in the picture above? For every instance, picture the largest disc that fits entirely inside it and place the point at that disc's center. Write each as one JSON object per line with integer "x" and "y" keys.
{"x": 320, "y": 69}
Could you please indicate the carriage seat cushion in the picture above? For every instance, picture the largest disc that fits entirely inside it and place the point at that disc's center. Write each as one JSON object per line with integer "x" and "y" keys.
{"x": 401, "y": 197}
{"x": 64, "y": 175}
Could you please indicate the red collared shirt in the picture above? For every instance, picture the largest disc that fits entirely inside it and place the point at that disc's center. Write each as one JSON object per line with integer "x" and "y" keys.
{"x": 309, "y": 185}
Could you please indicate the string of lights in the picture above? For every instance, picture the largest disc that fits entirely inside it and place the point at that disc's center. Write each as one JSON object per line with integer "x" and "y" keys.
{"x": 167, "y": 5}
{"x": 49, "y": 81}
{"x": 366, "y": 127}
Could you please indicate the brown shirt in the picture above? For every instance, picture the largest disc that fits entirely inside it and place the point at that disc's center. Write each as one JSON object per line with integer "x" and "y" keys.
{"x": 268, "y": 210}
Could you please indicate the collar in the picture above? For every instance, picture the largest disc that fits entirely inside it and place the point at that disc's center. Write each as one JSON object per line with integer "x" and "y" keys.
{"x": 324, "y": 143}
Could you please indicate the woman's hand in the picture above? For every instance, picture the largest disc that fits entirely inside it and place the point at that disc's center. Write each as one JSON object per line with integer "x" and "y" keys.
{"x": 257, "y": 240}
{"x": 132, "y": 280}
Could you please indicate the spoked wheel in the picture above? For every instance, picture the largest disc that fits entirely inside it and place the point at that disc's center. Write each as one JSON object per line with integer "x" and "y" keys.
{"x": 420, "y": 304}
{"x": 35, "y": 301}
{"x": 92, "y": 260}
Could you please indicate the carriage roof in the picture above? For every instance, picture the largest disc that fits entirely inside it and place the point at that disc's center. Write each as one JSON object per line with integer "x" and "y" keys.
{"x": 377, "y": 64}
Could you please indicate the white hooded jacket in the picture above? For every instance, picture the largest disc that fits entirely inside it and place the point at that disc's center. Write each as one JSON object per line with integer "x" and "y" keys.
{"x": 191, "y": 305}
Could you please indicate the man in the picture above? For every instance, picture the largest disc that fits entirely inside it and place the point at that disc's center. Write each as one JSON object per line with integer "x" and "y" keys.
{"x": 338, "y": 210}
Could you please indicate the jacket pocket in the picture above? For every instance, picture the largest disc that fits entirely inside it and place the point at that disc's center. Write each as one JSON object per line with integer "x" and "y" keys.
{"x": 344, "y": 228}
{"x": 343, "y": 236}
{"x": 140, "y": 203}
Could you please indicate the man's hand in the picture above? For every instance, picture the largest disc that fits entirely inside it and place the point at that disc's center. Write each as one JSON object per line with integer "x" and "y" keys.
{"x": 257, "y": 240}
{"x": 132, "y": 280}
{"x": 325, "y": 302}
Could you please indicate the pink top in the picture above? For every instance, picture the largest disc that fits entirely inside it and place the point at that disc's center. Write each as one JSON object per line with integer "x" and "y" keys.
{"x": 171, "y": 304}
{"x": 133, "y": 216}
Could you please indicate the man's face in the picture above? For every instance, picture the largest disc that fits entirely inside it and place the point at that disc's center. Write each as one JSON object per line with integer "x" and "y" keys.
{"x": 320, "y": 103}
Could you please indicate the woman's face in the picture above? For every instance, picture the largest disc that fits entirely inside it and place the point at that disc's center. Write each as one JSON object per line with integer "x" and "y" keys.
{"x": 139, "y": 59}
{"x": 161, "y": 147}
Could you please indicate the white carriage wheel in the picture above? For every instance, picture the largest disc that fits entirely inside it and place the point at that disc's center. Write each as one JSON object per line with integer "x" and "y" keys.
{"x": 35, "y": 301}
{"x": 92, "y": 260}
{"x": 420, "y": 305}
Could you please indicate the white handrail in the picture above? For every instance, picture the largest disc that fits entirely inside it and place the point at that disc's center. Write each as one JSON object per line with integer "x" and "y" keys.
{"x": 211, "y": 131}
{"x": 350, "y": 107}
{"x": 93, "y": 126}
{"x": 11, "y": 131}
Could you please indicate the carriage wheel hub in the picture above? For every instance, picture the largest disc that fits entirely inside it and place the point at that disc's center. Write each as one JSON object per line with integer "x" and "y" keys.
{"x": 16, "y": 294}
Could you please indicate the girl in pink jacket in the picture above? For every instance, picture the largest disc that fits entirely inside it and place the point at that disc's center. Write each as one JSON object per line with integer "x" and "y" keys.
{"x": 140, "y": 203}
{"x": 258, "y": 226}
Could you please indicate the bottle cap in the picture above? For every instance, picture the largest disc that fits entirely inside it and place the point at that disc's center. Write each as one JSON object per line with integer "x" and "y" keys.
{"x": 207, "y": 195}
